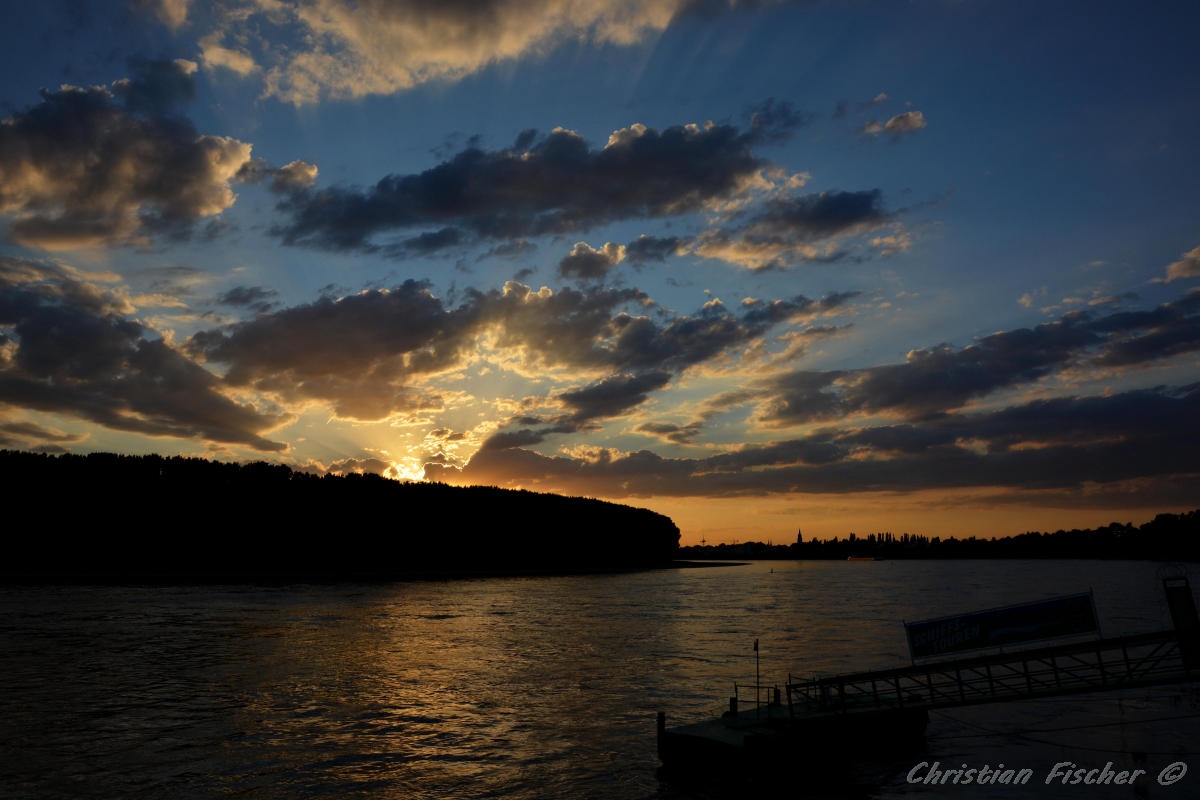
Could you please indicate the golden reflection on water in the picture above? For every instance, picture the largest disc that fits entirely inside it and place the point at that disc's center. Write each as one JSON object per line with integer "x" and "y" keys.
{"x": 515, "y": 688}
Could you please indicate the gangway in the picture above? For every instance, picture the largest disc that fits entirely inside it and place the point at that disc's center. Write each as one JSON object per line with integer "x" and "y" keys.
{"x": 886, "y": 707}
{"x": 1124, "y": 662}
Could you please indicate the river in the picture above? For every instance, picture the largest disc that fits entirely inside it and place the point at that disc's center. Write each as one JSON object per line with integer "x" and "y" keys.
{"x": 518, "y": 688}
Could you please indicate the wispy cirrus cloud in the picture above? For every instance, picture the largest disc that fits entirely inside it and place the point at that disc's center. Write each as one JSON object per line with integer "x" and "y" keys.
{"x": 379, "y": 47}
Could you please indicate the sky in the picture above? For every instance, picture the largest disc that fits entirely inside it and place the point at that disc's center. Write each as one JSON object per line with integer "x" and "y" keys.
{"x": 765, "y": 267}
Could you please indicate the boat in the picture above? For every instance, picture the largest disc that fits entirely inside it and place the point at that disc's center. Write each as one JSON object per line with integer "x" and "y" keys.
{"x": 860, "y": 558}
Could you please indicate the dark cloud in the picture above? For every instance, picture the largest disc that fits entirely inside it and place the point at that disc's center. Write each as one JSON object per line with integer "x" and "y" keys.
{"x": 432, "y": 241}
{"x": 367, "y": 354}
{"x": 79, "y": 169}
{"x": 645, "y": 354}
{"x": 760, "y": 312}
{"x": 77, "y": 355}
{"x": 518, "y": 247}
{"x": 255, "y": 298}
{"x": 803, "y": 396}
{"x": 29, "y": 435}
{"x": 506, "y": 440}
{"x": 586, "y": 262}
{"x": 289, "y": 178}
{"x": 669, "y": 431}
{"x": 612, "y": 396}
{"x": 571, "y": 327}
{"x": 177, "y": 281}
{"x": 157, "y": 87}
{"x": 775, "y": 122}
{"x": 652, "y": 248}
{"x": 796, "y": 228}
{"x": 359, "y": 466}
{"x": 819, "y": 215}
{"x": 524, "y": 139}
{"x": 1121, "y": 446}
{"x": 354, "y": 353}
{"x": 1170, "y": 329}
{"x": 559, "y": 185}
{"x": 933, "y": 381}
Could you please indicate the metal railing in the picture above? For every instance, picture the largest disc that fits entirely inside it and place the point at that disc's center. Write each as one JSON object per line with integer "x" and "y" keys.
{"x": 763, "y": 696}
{"x": 1127, "y": 661}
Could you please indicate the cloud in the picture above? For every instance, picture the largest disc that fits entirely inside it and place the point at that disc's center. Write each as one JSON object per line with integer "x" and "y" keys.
{"x": 340, "y": 49}
{"x": 517, "y": 247}
{"x": 843, "y": 106}
{"x": 214, "y": 54}
{"x": 1127, "y": 444}
{"x": 360, "y": 466}
{"x": 157, "y": 87}
{"x": 652, "y": 248}
{"x": 643, "y": 355}
{"x": 256, "y": 298}
{"x": 293, "y": 177}
{"x": 1186, "y": 267}
{"x": 613, "y": 395}
{"x": 671, "y": 432}
{"x": 27, "y": 435}
{"x": 172, "y": 13}
{"x": 80, "y": 170}
{"x": 761, "y": 312}
{"x": 800, "y": 228}
{"x": 897, "y": 126}
{"x": 372, "y": 354}
{"x": 70, "y": 349}
{"x": 353, "y": 354}
{"x": 1136, "y": 337}
{"x": 586, "y": 262}
{"x": 559, "y": 185}
{"x": 776, "y": 122}
{"x": 937, "y": 380}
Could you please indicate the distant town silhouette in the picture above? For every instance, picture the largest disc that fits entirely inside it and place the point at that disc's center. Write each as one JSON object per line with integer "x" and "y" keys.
{"x": 1167, "y": 537}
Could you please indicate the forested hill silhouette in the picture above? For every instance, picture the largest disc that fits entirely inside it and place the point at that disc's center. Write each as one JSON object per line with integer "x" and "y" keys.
{"x": 106, "y": 517}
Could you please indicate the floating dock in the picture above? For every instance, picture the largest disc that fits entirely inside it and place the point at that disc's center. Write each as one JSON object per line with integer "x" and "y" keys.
{"x": 887, "y": 710}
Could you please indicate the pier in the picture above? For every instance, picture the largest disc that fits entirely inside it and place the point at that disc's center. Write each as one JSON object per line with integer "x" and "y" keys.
{"x": 888, "y": 708}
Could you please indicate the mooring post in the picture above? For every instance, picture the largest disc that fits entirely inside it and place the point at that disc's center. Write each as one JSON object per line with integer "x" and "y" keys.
{"x": 1183, "y": 616}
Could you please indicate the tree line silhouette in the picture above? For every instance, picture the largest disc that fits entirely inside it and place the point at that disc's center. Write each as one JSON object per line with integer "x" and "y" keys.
{"x": 109, "y": 517}
{"x": 1167, "y": 537}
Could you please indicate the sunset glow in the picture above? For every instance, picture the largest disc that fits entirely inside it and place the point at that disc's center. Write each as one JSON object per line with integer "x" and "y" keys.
{"x": 924, "y": 267}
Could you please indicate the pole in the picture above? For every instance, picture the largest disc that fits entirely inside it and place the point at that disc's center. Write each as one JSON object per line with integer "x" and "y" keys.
{"x": 757, "y": 680}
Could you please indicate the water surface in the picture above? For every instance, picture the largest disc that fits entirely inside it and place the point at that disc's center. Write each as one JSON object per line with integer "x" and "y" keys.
{"x": 518, "y": 687}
